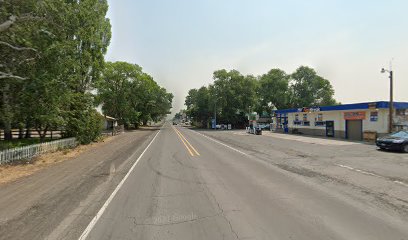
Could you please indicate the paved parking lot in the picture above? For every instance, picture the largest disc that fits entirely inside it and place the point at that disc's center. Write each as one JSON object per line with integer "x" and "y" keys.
{"x": 309, "y": 139}
{"x": 356, "y": 169}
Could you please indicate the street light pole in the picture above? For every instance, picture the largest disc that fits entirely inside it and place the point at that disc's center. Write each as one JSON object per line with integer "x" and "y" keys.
{"x": 391, "y": 103}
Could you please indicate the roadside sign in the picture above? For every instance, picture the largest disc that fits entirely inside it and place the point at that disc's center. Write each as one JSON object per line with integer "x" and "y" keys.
{"x": 355, "y": 115}
{"x": 213, "y": 124}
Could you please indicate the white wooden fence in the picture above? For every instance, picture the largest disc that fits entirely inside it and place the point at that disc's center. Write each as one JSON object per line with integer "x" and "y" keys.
{"x": 31, "y": 151}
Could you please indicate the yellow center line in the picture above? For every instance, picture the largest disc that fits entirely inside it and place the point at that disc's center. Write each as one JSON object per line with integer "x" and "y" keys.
{"x": 188, "y": 143}
{"x": 189, "y": 150}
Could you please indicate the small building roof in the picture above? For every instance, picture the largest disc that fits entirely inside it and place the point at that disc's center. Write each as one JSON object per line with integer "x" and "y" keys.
{"x": 353, "y": 106}
{"x": 110, "y": 118}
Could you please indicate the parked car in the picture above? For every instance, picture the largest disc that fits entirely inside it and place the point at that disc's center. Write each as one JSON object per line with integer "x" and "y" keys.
{"x": 258, "y": 131}
{"x": 395, "y": 141}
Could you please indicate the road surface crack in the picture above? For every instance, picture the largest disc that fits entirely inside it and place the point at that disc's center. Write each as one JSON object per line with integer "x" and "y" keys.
{"x": 222, "y": 213}
{"x": 172, "y": 223}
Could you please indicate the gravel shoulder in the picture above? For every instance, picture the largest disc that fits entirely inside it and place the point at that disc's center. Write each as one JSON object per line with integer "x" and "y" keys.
{"x": 14, "y": 171}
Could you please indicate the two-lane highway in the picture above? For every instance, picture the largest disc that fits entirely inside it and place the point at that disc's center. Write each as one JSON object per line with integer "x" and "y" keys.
{"x": 189, "y": 186}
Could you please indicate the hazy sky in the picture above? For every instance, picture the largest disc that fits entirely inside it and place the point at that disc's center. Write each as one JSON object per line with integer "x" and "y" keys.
{"x": 181, "y": 42}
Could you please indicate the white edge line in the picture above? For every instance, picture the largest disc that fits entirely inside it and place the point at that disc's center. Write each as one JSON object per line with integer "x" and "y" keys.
{"x": 371, "y": 174}
{"x": 359, "y": 170}
{"x": 340, "y": 165}
{"x": 225, "y": 145}
{"x": 93, "y": 222}
{"x": 401, "y": 183}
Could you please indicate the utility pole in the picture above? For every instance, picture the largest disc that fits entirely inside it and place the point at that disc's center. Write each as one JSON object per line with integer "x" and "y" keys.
{"x": 391, "y": 103}
{"x": 215, "y": 114}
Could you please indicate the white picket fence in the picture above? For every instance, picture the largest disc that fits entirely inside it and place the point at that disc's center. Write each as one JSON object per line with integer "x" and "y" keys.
{"x": 27, "y": 152}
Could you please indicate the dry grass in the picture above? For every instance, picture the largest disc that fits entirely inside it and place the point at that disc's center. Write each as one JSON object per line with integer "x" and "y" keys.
{"x": 17, "y": 170}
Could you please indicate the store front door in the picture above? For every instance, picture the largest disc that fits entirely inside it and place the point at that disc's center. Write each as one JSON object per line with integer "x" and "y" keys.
{"x": 330, "y": 128}
{"x": 354, "y": 130}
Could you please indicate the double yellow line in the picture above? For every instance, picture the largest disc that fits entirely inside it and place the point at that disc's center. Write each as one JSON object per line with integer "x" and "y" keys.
{"x": 193, "y": 152}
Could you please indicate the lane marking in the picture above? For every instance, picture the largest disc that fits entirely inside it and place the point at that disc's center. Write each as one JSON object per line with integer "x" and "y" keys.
{"x": 401, "y": 183}
{"x": 223, "y": 144}
{"x": 196, "y": 152}
{"x": 93, "y": 222}
{"x": 339, "y": 165}
{"x": 371, "y": 174}
{"x": 178, "y": 134}
{"x": 359, "y": 170}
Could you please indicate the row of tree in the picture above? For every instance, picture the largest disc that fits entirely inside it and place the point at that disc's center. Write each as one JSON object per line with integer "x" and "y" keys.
{"x": 233, "y": 96}
{"x": 132, "y": 96}
{"x": 52, "y": 64}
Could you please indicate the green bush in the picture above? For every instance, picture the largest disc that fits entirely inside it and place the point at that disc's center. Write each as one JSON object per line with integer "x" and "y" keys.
{"x": 86, "y": 127}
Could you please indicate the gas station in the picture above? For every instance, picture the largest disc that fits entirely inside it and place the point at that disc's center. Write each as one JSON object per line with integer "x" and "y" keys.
{"x": 358, "y": 121}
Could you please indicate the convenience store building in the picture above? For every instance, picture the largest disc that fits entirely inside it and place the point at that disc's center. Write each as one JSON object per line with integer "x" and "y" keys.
{"x": 355, "y": 121}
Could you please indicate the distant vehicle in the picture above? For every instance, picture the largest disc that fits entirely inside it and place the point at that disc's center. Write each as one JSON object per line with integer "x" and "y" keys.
{"x": 174, "y": 123}
{"x": 395, "y": 141}
{"x": 257, "y": 130}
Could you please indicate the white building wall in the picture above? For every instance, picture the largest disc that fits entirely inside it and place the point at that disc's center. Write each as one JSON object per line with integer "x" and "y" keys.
{"x": 379, "y": 126}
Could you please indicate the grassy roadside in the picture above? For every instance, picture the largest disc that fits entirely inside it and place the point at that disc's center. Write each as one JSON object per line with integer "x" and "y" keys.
{"x": 16, "y": 170}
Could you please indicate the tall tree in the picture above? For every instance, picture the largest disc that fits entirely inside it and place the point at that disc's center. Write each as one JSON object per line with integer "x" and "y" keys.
{"x": 309, "y": 89}
{"x": 199, "y": 106}
{"x": 233, "y": 94}
{"x": 132, "y": 96}
{"x": 115, "y": 89}
{"x": 88, "y": 34}
{"x": 54, "y": 54}
{"x": 17, "y": 17}
{"x": 273, "y": 90}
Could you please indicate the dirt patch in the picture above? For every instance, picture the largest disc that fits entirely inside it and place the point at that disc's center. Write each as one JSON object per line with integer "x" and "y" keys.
{"x": 14, "y": 171}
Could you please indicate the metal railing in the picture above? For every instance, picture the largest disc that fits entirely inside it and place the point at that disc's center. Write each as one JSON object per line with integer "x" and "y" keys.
{"x": 27, "y": 152}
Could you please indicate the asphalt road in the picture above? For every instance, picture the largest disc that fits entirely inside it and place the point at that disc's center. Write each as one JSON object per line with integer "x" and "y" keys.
{"x": 187, "y": 185}
{"x": 59, "y": 201}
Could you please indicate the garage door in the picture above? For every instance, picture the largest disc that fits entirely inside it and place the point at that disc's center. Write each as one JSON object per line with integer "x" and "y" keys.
{"x": 355, "y": 130}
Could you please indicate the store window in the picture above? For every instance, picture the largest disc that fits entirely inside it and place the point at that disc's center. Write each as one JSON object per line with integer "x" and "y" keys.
{"x": 319, "y": 120}
{"x": 374, "y": 116}
{"x": 282, "y": 120}
{"x": 297, "y": 121}
{"x": 305, "y": 121}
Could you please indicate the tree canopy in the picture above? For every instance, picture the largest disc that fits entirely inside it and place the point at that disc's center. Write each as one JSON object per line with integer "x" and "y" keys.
{"x": 132, "y": 96}
{"x": 232, "y": 96}
{"x": 52, "y": 54}
{"x": 310, "y": 89}
{"x": 52, "y": 60}
{"x": 273, "y": 90}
